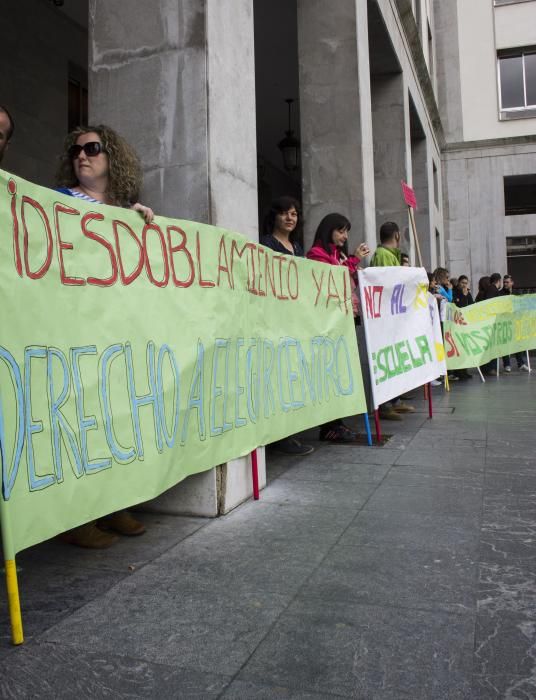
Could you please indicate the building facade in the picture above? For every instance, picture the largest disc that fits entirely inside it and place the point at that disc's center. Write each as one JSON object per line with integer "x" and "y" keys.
{"x": 487, "y": 99}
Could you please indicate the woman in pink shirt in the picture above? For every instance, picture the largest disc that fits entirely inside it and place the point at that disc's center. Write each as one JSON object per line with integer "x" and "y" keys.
{"x": 331, "y": 247}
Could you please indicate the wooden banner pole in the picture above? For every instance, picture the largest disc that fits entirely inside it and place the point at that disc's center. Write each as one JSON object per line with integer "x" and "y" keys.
{"x": 17, "y": 636}
{"x": 415, "y": 235}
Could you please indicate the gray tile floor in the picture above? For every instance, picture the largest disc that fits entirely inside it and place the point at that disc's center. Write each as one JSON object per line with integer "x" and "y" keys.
{"x": 406, "y": 571}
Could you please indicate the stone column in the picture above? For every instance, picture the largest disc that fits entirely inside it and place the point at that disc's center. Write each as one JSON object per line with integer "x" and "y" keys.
{"x": 392, "y": 157}
{"x": 332, "y": 72}
{"x": 176, "y": 78}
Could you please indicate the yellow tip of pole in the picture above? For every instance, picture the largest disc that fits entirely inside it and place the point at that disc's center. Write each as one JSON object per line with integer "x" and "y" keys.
{"x": 447, "y": 385}
{"x": 17, "y": 636}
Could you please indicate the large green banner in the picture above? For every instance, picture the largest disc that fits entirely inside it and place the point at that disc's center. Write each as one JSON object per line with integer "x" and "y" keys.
{"x": 494, "y": 328}
{"x": 133, "y": 355}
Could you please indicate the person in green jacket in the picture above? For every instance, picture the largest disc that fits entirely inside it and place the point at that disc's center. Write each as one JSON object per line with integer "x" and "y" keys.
{"x": 388, "y": 254}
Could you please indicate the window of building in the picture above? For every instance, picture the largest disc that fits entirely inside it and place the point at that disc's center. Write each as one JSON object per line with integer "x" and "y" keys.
{"x": 519, "y": 194}
{"x": 517, "y": 79}
{"x": 521, "y": 258}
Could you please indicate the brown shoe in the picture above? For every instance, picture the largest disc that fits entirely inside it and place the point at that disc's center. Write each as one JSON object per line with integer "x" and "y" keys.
{"x": 123, "y": 523}
{"x": 89, "y": 536}
{"x": 403, "y": 408}
{"x": 389, "y": 414}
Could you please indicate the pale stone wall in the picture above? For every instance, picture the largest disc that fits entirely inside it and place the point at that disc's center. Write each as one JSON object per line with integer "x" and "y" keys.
{"x": 475, "y": 189}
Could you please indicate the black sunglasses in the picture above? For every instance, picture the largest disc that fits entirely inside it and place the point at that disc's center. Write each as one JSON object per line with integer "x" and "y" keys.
{"x": 91, "y": 149}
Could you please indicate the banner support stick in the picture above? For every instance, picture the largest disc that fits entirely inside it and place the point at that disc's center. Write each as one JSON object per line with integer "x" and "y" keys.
{"x": 378, "y": 426}
{"x": 430, "y": 407}
{"x": 17, "y": 636}
{"x": 367, "y": 428}
{"x": 415, "y": 235}
{"x": 481, "y": 375}
{"x": 447, "y": 385}
{"x": 255, "y": 474}
{"x": 528, "y": 362}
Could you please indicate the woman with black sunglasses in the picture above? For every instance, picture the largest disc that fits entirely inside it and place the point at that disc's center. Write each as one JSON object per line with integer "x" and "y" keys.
{"x": 98, "y": 165}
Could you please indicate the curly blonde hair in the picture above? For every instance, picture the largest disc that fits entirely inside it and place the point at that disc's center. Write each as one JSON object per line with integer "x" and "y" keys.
{"x": 124, "y": 176}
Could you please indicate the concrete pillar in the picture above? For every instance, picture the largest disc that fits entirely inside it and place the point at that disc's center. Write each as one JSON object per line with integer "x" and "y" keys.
{"x": 331, "y": 76}
{"x": 419, "y": 162}
{"x": 164, "y": 74}
{"x": 391, "y": 131}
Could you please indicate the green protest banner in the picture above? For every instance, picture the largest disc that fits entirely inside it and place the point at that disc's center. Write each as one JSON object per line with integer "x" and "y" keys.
{"x": 134, "y": 355}
{"x": 494, "y": 328}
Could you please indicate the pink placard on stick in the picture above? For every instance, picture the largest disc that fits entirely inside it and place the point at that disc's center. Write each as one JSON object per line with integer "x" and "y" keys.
{"x": 409, "y": 195}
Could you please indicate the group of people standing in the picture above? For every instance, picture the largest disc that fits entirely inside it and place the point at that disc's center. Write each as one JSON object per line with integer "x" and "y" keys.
{"x": 458, "y": 291}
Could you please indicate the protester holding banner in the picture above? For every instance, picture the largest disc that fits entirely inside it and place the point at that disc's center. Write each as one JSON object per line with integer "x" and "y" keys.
{"x": 507, "y": 290}
{"x": 444, "y": 286}
{"x": 388, "y": 254}
{"x": 462, "y": 293}
{"x": 331, "y": 247}
{"x": 281, "y": 227}
{"x": 280, "y": 230}
{"x": 99, "y": 166}
{"x": 483, "y": 284}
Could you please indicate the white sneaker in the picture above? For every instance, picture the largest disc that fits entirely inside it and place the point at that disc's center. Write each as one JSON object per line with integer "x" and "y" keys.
{"x": 524, "y": 368}
{"x": 453, "y": 378}
{"x": 507, "y": 368}
{"x": 436, "y": 382}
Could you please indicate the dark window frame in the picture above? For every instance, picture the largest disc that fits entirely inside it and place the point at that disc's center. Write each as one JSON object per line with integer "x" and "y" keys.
{"x": 520, "y": 194}
{"x": 521, "y": 110}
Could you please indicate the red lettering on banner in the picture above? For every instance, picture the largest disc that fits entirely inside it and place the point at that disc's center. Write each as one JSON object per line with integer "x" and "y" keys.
{"x": 269, "y": 273}
{"x": 260, "y": 252}
{"x": 12, "y": 189}
{"x": 181, "y": 248}
{"x": 65, "y": 245}
{"x": 281, "y": 259}
{"x": 318, "y": 284}
{"x": 222, "y": 253}
{"x": 251, "y": 272}
{"x": 373, "y": 301}
{"x": 46, "y": 264}
{"x": 292, "y": 266}
{"x": 452, "y": 347}
{"x": 459, "y": 319}
{"x": 331, "y": 294}
{"x": 154, "y": 227}
{"x": 201, "y": 281}
{"x": 128, "y": 279}
{"x": 100, "y": 281}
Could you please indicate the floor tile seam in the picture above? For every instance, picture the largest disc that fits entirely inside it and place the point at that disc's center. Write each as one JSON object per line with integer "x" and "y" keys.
{"x": 257, "y": 679}
{"x": 479, "y": 559}
{"x": 364, "y": 481}
{"x": 377, "y": 605}
{"x": 410, "y": 549}
{"x": 138, "y": 659}
{"x": 131, "y": 575}
{"x": 276, "y": 621}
